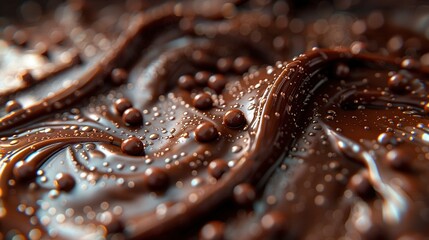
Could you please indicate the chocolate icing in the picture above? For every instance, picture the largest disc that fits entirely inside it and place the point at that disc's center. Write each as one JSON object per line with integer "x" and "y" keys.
{"x": 214, "y": 120}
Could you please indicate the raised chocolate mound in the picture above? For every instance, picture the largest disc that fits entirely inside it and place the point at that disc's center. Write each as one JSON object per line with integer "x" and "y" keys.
{"x": 214, "y": 120}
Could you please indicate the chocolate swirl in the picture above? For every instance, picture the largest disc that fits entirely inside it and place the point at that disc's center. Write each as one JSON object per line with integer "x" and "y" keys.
{"x": 144, "y": 120}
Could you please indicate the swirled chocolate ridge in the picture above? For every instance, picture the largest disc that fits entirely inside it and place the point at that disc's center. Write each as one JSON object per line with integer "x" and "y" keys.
{"x": 189, "y": 120}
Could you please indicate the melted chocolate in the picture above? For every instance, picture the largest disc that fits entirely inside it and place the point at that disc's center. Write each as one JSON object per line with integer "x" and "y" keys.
{"x": 214, "y": 120}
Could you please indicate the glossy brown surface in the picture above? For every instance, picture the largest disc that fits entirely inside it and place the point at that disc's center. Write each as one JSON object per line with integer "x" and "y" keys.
{"x": 214, "y": 120}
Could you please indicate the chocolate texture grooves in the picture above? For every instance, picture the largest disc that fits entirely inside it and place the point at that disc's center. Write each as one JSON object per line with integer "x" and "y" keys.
{"x": 214, "y": 120}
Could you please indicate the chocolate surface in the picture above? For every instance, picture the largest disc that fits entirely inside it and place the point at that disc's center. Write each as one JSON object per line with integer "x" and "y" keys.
{"x": 214, "y": 120}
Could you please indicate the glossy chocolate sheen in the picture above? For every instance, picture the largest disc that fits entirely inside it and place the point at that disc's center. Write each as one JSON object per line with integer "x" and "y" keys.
{"x": 214, "y": 120}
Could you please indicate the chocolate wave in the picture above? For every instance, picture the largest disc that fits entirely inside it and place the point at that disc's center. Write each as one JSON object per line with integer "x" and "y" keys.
{"x": 182, "y": 120}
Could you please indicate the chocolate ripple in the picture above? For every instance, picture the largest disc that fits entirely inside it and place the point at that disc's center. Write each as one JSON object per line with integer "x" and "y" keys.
{"x": 192, "y": 124}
